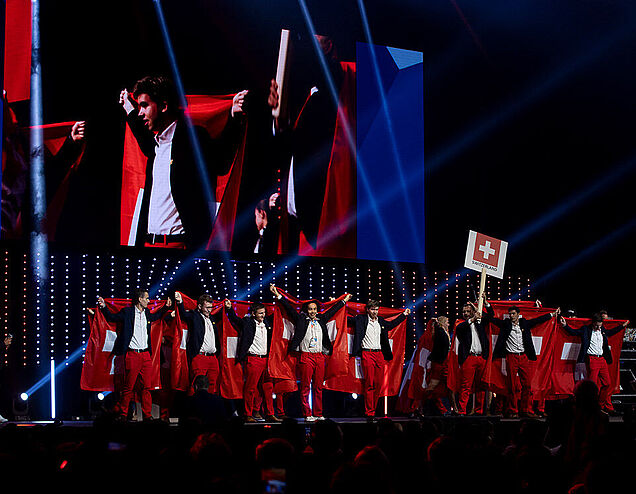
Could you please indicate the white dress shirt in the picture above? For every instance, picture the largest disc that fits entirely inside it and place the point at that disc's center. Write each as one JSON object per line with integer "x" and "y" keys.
{"x": 514, "y": 344}
{"x": 163, "y": 217}
{"x": 371, "y": 340}
{"x": 259, "y": 345}
{"x": 312, "y": 342}
{"x": 475, "y": 343}
{"x": 596, "y": 343}
{"x": 209, "y": 342}
{"x": 139, "y": 339}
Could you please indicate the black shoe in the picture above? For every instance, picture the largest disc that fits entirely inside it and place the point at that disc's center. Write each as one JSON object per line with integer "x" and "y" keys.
{"x": 371, "y": 419}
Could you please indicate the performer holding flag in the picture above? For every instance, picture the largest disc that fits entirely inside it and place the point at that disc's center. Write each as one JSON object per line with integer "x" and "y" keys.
{"x": 472, "y": 357}
{"x": 133, "y": 343}
{"x": 203, "y": 343}
{"x": 595, "y": 353}
{"x": 311, "y": 338}
{"x": 515, "y": 345}
{"x": 255, "y": 331}
{"x": 371, "y": 344}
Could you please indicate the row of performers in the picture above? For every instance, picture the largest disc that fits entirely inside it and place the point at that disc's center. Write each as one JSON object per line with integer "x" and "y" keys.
{"x": 311, "y": 342}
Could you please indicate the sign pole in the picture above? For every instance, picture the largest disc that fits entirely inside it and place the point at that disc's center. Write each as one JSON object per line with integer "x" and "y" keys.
{"x": 482, "y": 289}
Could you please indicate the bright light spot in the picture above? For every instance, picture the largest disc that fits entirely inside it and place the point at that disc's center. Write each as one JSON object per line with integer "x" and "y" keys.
{"x": 24, "y": 397}
{"x": 354, "y": 396}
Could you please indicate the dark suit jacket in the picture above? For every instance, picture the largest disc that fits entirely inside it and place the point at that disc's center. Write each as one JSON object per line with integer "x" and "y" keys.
{"x": 301, "y": 323}
{"x": 247, "y": 329}
{"x": 505, "y": 327}
{"x": 126, "y": 316}
{"x": 361, "y": 322}
{"x": 196, "y": 330}
{"x": 185, "y": 182}
{"x": 464, "y": 336}
{"x": 585, "y": 333}
{"x": 441, "y": 346}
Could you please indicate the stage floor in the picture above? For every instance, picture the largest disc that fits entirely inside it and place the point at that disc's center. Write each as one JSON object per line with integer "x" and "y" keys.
{"x": 174, "y": 422}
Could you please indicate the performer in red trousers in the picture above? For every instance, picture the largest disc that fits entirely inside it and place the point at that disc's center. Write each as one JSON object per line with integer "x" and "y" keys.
{"x": 134, "y": 345}
{"x": 596, "y": 354}
{"x": 311, "y": 338}
{"x": 255, "y": 331}
{"x": 371, "y": 343}
{"x": 473, "y": 352}
{"x": 204, "y": 343}
{"x": 515, "y": 345}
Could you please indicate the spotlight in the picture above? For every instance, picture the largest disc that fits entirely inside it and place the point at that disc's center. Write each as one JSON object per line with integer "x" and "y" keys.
{"x": 21, "y": 407}
{"x": 274, "y": 395}
{"x": 101, "y": 396}
{"x": 354, "y": 396}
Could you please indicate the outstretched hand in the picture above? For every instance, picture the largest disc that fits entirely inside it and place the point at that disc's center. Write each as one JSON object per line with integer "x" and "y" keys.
{"x": 125, "y": 101}
{"x": 238, "y": 101}
{"x": 227, "y": 304}
{"x": 77, "y": 131}
{"x": 274, "y": 290}
{"x": 178, "y": 298}
{"x": 100, "y": 302}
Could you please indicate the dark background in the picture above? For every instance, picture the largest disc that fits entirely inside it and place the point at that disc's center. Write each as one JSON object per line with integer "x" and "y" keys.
{"x": 528, "y": 116}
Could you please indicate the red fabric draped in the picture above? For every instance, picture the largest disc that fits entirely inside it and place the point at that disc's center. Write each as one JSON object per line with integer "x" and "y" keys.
{"x": 17, "y": 50}
{"x": 566, "y": 350}
{"x": 100, "y": 371}
{"x": 351, "y": 382}
{"x": 282, "y": 364}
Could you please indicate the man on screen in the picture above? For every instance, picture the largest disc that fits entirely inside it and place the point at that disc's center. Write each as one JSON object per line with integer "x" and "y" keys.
{"x": 175, "y": 211}
{"x": 305, "y": 142}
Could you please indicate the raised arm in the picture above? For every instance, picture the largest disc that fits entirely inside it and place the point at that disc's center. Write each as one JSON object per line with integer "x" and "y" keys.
{"x": 185, "y": 315}
{"x": 329, "y": 313}
{"x": 392, "y": 324}
{"x": 569, "y": 329}
{"x": 617, "y": 329}
{"x": 235, "y": 320}
{"x": 108, "y": 314}
{"x": 142, "y": 134}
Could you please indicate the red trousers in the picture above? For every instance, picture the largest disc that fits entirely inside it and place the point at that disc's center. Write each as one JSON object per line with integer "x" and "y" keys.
{"x": 137, "y": 365}
{"x": 520, "y": 372}
{"x": 373, "y": 368}
{"x": 258, "y": 383}
{"x": 598, "y": 372}
{"x": 312, "y": 366}
{"x": 203, "y": 365}
{"x": 471, "y": 374}
{"x": 438, "y": 372}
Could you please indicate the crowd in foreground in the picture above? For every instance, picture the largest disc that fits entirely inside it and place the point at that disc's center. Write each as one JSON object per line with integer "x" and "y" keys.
{"x": 575, "y": 450}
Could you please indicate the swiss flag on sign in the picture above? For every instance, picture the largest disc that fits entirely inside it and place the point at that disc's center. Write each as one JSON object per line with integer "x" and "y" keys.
{"x": 487, "y": 249}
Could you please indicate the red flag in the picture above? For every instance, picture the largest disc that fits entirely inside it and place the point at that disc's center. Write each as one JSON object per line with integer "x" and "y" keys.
{"x": 566, "y": 371}
{"x": 421, "y": 363}
{"x": 212, "y": 113}
{"x": 282, "y": 363}
{"x": 542, "y": 336}
{"x": 352, "y": 381}
{"x": 337, "y": 227}
{"x": 414, "y": 381}
{"x": 100, "y": 368}
{"x": 179, "y": 369}
{"x": 54, "y": 137}
{"x": 17, "y": 50}
{"x": 453, "y": 378}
